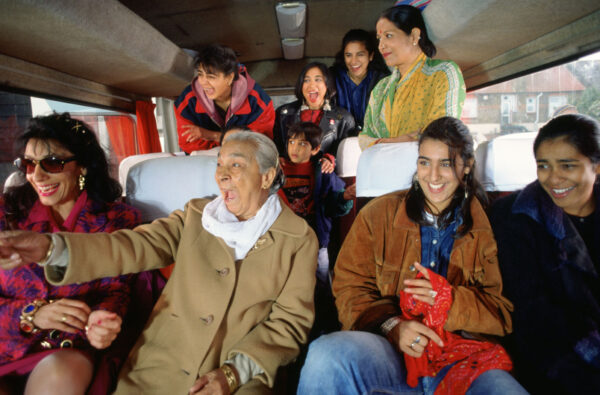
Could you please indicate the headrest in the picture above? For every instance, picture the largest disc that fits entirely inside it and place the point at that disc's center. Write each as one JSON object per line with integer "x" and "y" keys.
{"x": 214, "y": 151}
{"x": 129, "y": 161}
{"x": 161, "y": 185}
{"x": 384, "y": 168}
{"x": 506, "y": 163}
{"x": 347, "y": 157}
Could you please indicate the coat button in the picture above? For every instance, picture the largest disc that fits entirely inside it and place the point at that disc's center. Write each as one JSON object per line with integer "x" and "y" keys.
{"x": 223, "y": 272}
{"x": 208, "y": 319}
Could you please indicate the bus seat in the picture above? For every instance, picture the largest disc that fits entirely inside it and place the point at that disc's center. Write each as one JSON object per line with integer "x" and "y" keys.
{"x": 214, "y": 151}
{"x": 384, "y": 168}
{"x": 348, "y": 153}
{"x": 129, "y": 161}
{"x": 506, "y": 163}
{"x": 14, "y": 179}
{"x": 347, "y": 157}
{"x": 161, "y": 185}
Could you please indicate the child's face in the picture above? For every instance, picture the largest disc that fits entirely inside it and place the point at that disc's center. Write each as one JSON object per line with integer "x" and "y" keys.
{"x": 299, "y": 149}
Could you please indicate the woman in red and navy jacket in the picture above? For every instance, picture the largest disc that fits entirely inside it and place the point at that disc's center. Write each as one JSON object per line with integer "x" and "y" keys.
{"x": 48, "y": 331}
{"x": 223, "y": 95}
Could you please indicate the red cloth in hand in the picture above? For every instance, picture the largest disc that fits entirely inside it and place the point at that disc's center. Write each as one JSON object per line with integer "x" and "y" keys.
{"x": 471, "y": 357}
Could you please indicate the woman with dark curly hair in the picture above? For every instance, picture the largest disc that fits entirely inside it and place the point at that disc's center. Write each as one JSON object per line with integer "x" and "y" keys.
{"x": 221, "y": 96}
{"x": 358, "y": 67}
{"x": 49, "y": 335}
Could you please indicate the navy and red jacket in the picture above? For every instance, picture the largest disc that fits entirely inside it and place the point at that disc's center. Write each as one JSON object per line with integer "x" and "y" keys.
{"x": 250, "y": 108}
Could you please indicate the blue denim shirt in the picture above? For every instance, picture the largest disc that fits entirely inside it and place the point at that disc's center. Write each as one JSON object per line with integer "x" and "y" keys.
{"x": 436, "y": 243}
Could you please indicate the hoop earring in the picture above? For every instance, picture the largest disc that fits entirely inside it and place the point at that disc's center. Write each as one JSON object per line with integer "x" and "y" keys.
{"x": 415, "y": 182}
{"x": 81, "y": 182}
{"x": 466, "y": 181}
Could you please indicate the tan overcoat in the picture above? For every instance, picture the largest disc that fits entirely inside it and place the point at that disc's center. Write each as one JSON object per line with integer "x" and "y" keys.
{"x": 212, "y": 306}
{"x": 376, "y": 257}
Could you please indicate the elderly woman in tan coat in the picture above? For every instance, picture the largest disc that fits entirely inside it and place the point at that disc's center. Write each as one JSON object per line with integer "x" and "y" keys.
{"x": 239, "y": 303}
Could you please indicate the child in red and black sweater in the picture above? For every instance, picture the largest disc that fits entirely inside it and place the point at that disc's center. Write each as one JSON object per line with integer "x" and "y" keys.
{"x": 313, "y": 195}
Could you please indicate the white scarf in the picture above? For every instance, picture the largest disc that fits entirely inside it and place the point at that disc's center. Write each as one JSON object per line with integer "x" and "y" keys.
{"x": 239, "y": 235}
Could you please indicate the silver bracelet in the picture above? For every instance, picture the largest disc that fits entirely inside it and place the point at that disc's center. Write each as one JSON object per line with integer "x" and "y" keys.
{"x": 389, "y": 324}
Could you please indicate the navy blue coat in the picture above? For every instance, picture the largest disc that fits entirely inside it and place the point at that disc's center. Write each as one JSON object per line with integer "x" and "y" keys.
{"x": 552, "y": 280}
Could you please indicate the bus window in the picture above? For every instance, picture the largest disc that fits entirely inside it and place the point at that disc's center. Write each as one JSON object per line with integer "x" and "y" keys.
{"x": 115, "y": 130}
{"x": 526, "y": 103}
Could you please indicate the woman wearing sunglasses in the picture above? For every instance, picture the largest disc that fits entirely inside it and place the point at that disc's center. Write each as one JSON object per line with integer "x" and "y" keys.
{"x": 48, "y": 334}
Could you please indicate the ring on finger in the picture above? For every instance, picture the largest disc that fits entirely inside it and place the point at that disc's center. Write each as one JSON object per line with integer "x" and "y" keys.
{"x": 432, "y": 293}
{"x": 63, "y": 318}
{"x": 417, "y": 339}
{"x": 412, "y": 345}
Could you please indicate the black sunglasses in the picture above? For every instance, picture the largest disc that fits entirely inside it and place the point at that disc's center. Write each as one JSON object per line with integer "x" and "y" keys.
{"x": 49, "y": 164}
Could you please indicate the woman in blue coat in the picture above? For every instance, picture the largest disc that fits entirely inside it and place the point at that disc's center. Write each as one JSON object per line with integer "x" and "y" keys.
{"x": 548, "y": 239}
{"x": 357, "y": 69}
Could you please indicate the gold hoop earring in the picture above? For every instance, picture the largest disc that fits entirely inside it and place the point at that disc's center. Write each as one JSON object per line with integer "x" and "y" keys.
{"x": 81, "y": 182}
{"x": 416, "y": 182}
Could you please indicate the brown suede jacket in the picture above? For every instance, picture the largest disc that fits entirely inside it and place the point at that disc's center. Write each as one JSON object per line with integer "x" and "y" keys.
{"x": 375, "y": 260}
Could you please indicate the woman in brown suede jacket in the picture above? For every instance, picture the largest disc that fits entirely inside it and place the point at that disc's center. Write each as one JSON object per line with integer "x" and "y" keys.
{"x": 432, "y": 245}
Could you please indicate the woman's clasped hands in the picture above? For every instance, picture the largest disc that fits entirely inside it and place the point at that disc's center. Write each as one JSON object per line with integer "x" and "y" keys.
{"x": 101, "y": 327}
{"x": 409, "y": 336}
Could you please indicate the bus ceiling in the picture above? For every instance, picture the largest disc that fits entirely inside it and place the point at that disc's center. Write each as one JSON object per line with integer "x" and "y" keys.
{"x": 112, "y": 53}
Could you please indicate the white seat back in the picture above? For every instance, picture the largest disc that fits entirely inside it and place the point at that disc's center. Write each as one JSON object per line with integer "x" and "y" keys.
{"x": 214, "y": 151}
{"x": 384, "y": 168}
{"x": 129, "y": 161}
{"x": 506, "y": 163}
{"x": 161, "y": 185}
{"x": 347, "y": 157}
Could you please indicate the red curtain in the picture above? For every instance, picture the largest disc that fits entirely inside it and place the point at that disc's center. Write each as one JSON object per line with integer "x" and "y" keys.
{"x": 147, "y": 133}
{"x": 121, "y": 134}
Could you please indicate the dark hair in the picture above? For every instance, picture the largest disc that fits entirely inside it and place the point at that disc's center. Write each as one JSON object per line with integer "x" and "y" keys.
{"x": 370, "y": 43}
{"x": 329, "y": 82}
{"x": 312, "y": 133}
{"x": 581, "y": 131}
{"x": 456, "y": 136}
{"x": 217, "y": 58}
{"x": 78, "y": 138}
{"x": 407, "y": 17}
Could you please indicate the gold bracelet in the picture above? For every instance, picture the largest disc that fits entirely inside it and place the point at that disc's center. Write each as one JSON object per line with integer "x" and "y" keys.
{"x": 48, "y": 253}
{"x": 230, "y": 377}
{"x": 27, "y": 314}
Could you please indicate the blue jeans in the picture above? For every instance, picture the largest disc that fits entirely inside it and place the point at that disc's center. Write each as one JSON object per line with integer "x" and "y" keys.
{"x": 351, "y": 362}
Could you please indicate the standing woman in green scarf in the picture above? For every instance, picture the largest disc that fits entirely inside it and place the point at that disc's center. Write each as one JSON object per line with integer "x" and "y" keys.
{"x": 419, "y": 90}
